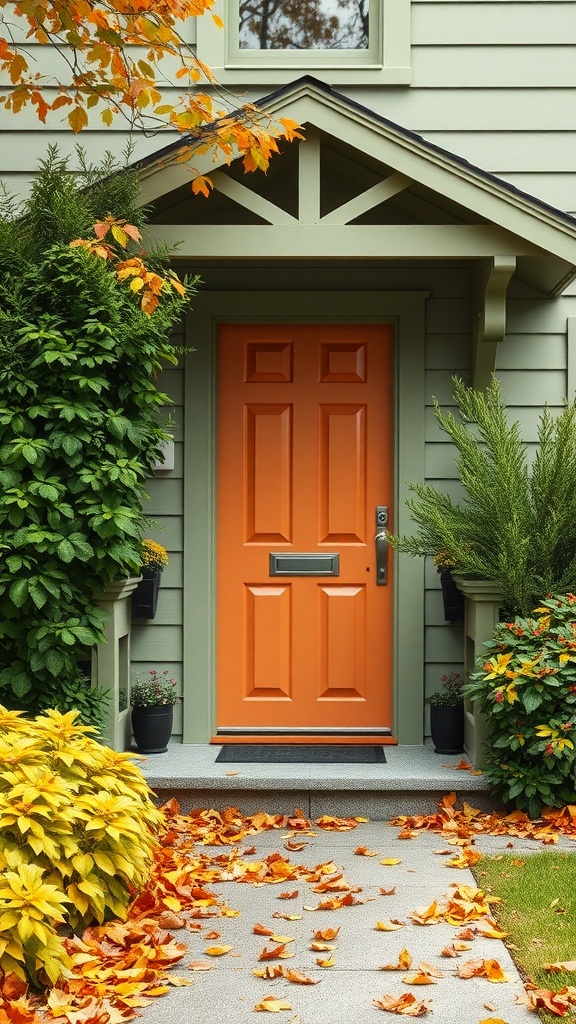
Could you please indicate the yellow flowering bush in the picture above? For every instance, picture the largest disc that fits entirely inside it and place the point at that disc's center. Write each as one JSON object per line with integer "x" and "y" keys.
{"x": 79, "y": 833}
{"x": 525, "y": 686}
{"x": 153, "y": 558}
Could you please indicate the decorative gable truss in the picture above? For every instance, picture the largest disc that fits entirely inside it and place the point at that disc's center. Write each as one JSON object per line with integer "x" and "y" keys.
{"x": 361, "y": 187}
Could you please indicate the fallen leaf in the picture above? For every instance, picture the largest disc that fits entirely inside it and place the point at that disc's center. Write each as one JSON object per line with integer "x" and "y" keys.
{"x": 489, "y": 969}
{"x": 273, "y": 1005}
{"x": 561, "y": 965}
{"x": 489, "y": 929}
{"x": 420, "y": 978}
{"x": 406, "y": 1005}
{"x": 277, "y": 953}
{"x": 388, "y": 892}
{"x": 329, "y": 962}
{"x": 200, "y": 965}
{"x": 283, "y": 939}
{"x": 328, "y": 934}
{"x": 287, "y": 917}
{"x": 288, "y": 895}
{"x": 217, "y": 950}
{"x": 363, "y": 851}
{"x": 389, "y": 926}
{"x": 321, "y": 947}
{"x": 404, "y": 962}
{"x": 260, "y": 929}
{"x": 170, "y": 920}
{"x": 390, "y": 860}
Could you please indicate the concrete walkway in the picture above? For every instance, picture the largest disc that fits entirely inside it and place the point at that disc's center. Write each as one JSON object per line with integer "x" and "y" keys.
{"x": 345, "y": 992}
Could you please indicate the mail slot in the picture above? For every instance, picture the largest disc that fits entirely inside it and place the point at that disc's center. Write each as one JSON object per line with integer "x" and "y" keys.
{"x": 304, "y": 564}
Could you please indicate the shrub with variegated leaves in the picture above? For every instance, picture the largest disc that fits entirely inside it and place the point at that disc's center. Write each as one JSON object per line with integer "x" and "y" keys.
{"x": 525, "y": 686}
{"x": 78, "y": 835}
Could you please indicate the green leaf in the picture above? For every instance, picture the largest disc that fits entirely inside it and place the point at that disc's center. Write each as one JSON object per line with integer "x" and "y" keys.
{"x": 65, "y": 551}
{"x": 18, "y": 593}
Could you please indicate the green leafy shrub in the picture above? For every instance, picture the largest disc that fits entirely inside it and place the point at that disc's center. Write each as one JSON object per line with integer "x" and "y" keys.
{"x": 78, "y": 837}
{"x": 79, "y": 402}
{"x": 526, "y": 689}
{"x": 515, "y": 526}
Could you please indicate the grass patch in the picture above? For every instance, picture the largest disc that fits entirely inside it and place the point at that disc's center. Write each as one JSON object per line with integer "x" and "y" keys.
{"x": 538, "y": 910}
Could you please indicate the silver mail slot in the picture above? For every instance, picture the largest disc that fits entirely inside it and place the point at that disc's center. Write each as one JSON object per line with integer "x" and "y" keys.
{"x": 304, "y": 564}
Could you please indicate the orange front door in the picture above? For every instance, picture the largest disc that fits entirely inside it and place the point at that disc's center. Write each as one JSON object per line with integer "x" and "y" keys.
{"x": 305, "y": 455}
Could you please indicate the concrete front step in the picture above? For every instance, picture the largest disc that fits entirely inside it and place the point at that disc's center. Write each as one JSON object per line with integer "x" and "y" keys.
{"x": 413, "y": 781}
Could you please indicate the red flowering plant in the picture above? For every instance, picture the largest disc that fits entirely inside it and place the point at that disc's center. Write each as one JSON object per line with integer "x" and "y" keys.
{"x": 525, "y": 686}
{"x": 154, "y": 688}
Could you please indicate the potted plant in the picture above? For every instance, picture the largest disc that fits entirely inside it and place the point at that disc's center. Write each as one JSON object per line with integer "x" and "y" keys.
{"x": 515, "y": 524}
{"x": 153, "y": 697}
{"x": 153, "y": 561}
{"x": 453, "y": 599}
{"x": 447, "y": 715}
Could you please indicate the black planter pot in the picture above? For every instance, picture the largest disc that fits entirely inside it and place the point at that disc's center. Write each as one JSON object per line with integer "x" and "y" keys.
{"x": 447, "y": 728}
{"x": 152, "y": 727}
{"x": 452, "y": 597}
{"x": 145, "y": 597}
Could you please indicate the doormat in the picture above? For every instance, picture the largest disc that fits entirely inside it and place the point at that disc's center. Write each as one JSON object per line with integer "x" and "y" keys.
{"x": 301, "y": 753}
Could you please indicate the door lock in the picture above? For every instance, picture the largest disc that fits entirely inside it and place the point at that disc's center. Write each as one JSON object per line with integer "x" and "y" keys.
{"x": 381, "y": 542}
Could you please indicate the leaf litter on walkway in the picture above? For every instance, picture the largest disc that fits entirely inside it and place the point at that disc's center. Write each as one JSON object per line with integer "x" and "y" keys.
{"x": 119, "y": 968}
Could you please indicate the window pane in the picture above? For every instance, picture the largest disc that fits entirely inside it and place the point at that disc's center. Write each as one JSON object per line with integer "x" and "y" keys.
{"x": 304, "y": 24}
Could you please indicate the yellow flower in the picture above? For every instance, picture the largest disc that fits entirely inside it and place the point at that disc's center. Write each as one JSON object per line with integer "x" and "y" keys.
{"x": 497, "y": 666}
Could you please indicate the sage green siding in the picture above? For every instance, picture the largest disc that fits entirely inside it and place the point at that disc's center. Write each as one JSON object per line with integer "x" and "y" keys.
{"x": 494, "y": 82}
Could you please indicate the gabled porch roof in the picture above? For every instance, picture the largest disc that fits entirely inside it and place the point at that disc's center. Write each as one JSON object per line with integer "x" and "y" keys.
{"x": 362, "y": 188}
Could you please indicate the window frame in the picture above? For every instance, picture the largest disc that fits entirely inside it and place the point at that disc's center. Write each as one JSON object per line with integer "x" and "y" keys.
{"x": 386, "y": 61}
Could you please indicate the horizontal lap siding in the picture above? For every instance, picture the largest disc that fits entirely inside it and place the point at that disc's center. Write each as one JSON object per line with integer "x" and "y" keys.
{"x": 158, "y": 643}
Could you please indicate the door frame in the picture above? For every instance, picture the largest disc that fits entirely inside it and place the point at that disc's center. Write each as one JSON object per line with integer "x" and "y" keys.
{"x": 406, "y": 311}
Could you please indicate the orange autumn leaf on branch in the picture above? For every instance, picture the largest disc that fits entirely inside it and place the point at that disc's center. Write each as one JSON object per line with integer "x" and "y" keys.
{"x": 113, "y": 58}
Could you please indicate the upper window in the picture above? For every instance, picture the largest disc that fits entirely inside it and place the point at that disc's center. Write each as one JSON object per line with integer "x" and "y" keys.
{"x": 265, "y": 41}
{"x": 314, "y": 25}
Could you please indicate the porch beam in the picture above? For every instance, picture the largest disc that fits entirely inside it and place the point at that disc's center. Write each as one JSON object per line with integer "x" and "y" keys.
{"x": 491, "y": 317}
{"x": 309, "y": 178}
{"x": 379, "y": 193}
{"x": 250, "y": 200}
{"x": 389, "y": 241}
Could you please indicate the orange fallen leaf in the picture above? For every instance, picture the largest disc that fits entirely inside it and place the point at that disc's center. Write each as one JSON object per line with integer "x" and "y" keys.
{"x": 404, "y": 962}
{"x": 269, "y": 972}
{"x": 561, "y": 965}
{"x": 387, "y": 892}
{"x": 464, "y": 859}
{"x": 217, "y": 950}
{"x": 321, "y": 947}
{"x": 420, "y": 978}
{"x": 489, "y": 969}
{"x": 297, "y": 978}
{"x": 329, "y": 962}
{"x": 169, "y": 920}
{"x": 200, "y": 965}
{"x": 288, "y": 895}
{"x": 294, "y": 846}
{"x": 406, "y": 1005}
{"x": 489, "y": 929}
{"x": 363, "y": 851}
{"x": 260, "y": 929}
{"x": 328, "y": 934}
{"x": 276, "y": 953}
{"x": 336, "y": 824}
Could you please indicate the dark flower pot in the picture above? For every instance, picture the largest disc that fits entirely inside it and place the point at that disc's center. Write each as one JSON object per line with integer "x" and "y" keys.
{"x": 145, "y": 597}
{"x": 452, "y": 597}
{"x": 447, "y": 728}
{"x": 152, "y": 727}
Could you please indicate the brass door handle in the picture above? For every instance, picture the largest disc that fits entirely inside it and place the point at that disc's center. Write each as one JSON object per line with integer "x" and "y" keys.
{"x": 381, "y": 542}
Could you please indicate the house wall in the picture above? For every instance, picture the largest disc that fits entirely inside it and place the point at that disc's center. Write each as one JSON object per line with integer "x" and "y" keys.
{"x": 494, "y": 82}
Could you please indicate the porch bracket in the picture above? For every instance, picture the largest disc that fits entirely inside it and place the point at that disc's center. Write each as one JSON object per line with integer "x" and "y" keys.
{"x": 491, "y": 317}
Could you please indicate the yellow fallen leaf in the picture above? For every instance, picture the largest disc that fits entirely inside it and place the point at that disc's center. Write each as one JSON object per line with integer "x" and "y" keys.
{"x": 391, "y": 860}
{"x": 273, "y": 1005}
{"x": 281, "y": 938}
{"x": 418, "y": 979}
{"x": 389, "y": 926}
{"x": 217, "y": 950}
{"x": 329, "y": 962}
